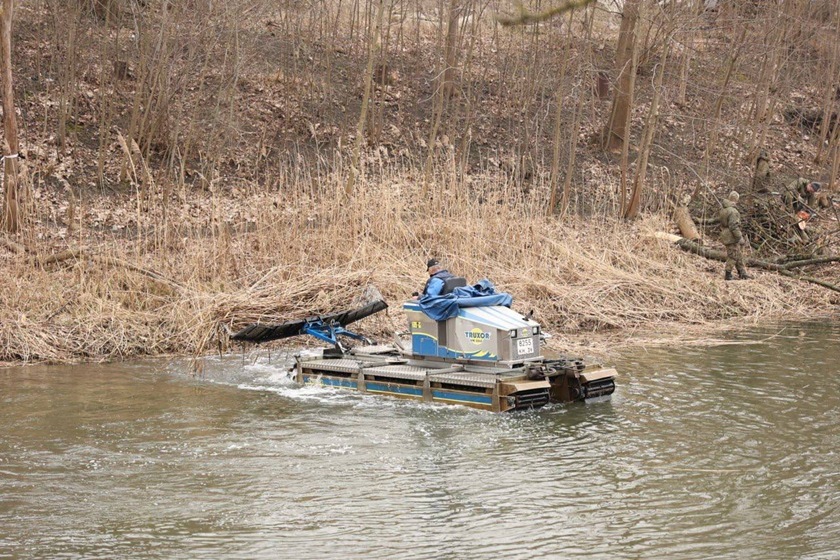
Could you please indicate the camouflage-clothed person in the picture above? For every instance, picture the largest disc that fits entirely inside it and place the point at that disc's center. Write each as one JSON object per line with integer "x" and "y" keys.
{"x": 801, "y": 191}
{"x": 761, "y": 177}
{"x": 730, "y": 223}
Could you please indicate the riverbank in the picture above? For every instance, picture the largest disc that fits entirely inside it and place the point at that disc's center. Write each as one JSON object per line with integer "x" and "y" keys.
{"x": 179, "y": 278}
{"x": 172, "y": 196}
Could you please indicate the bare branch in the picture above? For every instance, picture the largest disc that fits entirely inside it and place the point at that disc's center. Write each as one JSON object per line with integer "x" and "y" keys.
{"x": 527, "y": 18}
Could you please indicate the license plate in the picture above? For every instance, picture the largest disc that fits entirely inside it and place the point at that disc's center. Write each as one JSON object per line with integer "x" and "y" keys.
{"x": 525, "y": 346}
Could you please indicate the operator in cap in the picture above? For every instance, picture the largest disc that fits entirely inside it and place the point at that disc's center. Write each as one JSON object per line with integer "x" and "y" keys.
{"x": 730, "y": 235}
{"x": 437, "y": 276}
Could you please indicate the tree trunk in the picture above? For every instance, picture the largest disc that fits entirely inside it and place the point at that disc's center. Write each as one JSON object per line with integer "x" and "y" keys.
{"x": 444, "y": 89}
{"x": 713, "y": 136}
{"x": 467, "y": 107}
{"x": 616, "y": 128}
{"x": 12, "y": 209}
{"x": 360, "y": 126}
{"x": 625, "y": 138}
{"x": 695, "y": 10}
{"x": 835, "y": 164}
{"x": 574, "y": 129}
{"x": 451, "y": 48}
{"x": 570, "y": 164}
{"x": 647, "y": 141}
{"x": 831, "y": 96}
{"x": 558, "y": 120}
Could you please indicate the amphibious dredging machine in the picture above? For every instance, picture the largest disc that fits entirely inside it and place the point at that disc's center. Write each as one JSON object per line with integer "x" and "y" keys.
{"x": 487, "y": 357}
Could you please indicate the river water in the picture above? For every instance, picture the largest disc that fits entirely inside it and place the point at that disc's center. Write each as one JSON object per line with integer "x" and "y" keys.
{"x": 725, "y": 451}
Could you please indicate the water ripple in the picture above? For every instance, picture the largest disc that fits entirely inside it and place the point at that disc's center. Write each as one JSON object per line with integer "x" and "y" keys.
{"x": 720, "y": 452}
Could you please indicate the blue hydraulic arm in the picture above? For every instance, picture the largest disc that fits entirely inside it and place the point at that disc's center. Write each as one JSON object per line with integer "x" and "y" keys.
{"x": 326, "y": 327}
{"x": 329, "y": 332}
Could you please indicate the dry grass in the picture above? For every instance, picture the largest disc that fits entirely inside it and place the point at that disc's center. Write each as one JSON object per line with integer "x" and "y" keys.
{"x": 268, "y": 240}
{"x": 281, "y": 255}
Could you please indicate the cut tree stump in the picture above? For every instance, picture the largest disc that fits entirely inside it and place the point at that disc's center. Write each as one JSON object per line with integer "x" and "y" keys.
{"x": 686, "y": 224}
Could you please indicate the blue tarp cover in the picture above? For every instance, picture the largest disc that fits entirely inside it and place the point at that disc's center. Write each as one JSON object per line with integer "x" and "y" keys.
{"x": 441, "y": 308}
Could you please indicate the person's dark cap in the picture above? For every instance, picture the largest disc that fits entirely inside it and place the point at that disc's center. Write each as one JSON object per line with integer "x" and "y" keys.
{"x": 816, "y": 186}
{"x": 431, "y": 263}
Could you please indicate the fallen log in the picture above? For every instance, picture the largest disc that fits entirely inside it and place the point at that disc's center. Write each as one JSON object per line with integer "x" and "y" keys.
{"x": 712, "y": 254}
{"x": 807, "y": 262}
{"x": 12, "y": 246}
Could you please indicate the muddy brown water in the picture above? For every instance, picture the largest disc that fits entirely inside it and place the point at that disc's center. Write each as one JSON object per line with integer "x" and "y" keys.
{"x": 728, "y": 451}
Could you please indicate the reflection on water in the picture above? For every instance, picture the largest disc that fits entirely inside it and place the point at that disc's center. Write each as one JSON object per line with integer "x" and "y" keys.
{"x": 719, "y": 452}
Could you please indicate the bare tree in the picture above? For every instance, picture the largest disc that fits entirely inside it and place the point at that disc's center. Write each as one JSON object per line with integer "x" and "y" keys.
{"x": 11, "y": 161}
{"x": 555, "y": 157}
{"x": 451, "y": 47}
{"x": 374, "y": 45}
{"x": 573, "y": 133}
{"x": 445, "y": 85}
{"x": 647, "y": 140}
{"x": 831, "y": 97}
{"x": 622, "y": 108}
{"x": 712, "y": 140}
{"x": 618, "y": 123}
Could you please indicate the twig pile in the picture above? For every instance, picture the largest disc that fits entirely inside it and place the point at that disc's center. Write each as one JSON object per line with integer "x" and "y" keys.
{"x": 774, "y": 231}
